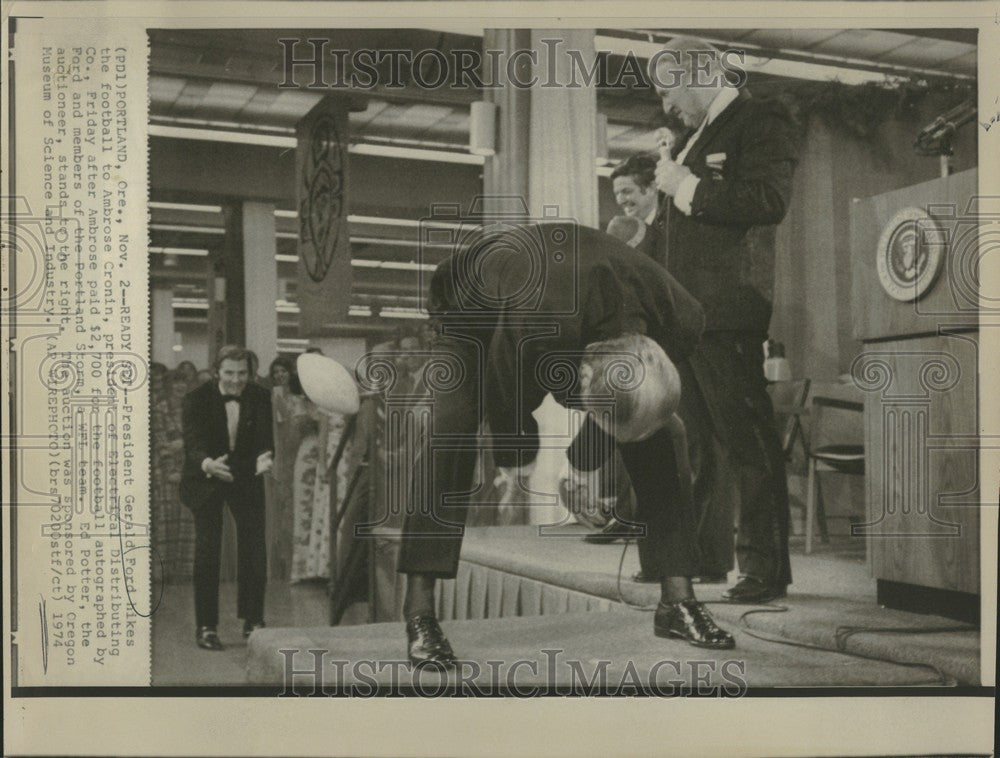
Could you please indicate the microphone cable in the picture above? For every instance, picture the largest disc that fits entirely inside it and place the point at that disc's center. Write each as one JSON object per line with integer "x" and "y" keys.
{"x": 841, "y": 633}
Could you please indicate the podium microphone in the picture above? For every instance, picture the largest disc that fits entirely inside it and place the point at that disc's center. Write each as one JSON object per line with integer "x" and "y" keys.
{"x": 665, "y": 139}
{"x": 935, "y": 138}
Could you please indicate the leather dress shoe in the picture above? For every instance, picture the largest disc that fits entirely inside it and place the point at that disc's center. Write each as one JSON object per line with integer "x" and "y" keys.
{"x": 691, "y": 621}
{"x": 426, "y": 642}
{"x": 643, "y": 578}
{"x": 208, "y": 639}
{"x": 249, "y": 627}
{"x": 752, "y": 590}
{"x": 614, "y": 530}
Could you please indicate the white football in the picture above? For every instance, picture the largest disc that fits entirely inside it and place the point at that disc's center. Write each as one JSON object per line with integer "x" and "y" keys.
{"x": 328, "y": 384}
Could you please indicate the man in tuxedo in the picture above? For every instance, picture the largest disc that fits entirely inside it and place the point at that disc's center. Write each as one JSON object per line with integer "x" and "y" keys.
{"x": 728, "y": 180}
{"x": 634, "y": 185}
{"x": 228, "y": 444}
{"x": 552, "y": 307}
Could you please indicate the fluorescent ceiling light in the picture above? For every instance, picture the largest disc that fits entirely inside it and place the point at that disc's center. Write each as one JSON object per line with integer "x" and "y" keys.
{"x": 185, "y": 207}
{"x": 191, "y": 303}
{"x": 412, "y": 153}
{"x": 399, "y": 243}
{"x": 410, "y": 223}
{"x": 392, "y": 265}
{"x": 189, "y": 229}
{"x": 179, "y": 251}
{"x": 274, "y": 140}
{"x": 397, "y": 312}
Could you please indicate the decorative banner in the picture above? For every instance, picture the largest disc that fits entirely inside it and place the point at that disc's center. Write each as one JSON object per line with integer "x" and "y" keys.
{"x": 324, "y": 282}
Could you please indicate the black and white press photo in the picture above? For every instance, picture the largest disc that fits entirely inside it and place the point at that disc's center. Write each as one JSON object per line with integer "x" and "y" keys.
{"x": 421, "y": 358}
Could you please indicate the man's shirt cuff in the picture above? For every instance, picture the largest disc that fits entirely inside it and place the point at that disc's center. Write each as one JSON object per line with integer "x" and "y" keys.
{"x": 205, "y": 463}
{"x": 685, "y": 194}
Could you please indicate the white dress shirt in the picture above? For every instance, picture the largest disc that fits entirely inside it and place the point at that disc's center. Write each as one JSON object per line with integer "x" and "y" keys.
{"x": 686, "y": 190}
{"x": 232, "y": 423}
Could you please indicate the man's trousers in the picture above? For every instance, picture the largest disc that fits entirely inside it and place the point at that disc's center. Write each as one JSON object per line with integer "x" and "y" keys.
{"x": 736, "y": 452}
{"x": 432, "y": 529}
{"x": 251, "y": 556}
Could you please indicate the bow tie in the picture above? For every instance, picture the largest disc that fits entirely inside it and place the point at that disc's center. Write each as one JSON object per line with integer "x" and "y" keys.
{"x": 231, "y": 398}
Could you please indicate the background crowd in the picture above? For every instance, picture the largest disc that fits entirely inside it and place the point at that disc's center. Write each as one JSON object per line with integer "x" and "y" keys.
{"x": 303, "y": 484}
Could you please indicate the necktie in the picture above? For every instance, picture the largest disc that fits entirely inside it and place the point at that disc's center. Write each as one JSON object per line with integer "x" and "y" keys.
{"x": 230, "y": 398}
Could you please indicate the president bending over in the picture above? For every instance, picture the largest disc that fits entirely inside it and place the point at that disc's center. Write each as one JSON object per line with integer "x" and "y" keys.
{"x": 515, "y": 308}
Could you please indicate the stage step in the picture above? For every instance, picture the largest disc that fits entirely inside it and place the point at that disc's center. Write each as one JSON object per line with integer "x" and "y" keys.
{"x": 556, "y": 651}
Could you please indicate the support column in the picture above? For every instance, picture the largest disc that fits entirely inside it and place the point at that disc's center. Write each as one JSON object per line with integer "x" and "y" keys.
{"x": 162, "y": 326}
{"x": 546, "y": 147}
{"x": 563, "y": 129}
{"x": 243, "y": 283}
{"x": 547, "y": 135}
{"x": 506, "y": 173}
{"x": 215, "y": 286}
{"x": 260, "y": 281}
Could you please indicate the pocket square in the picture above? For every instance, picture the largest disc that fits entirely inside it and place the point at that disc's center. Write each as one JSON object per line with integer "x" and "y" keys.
{"x": 715, "y": 160}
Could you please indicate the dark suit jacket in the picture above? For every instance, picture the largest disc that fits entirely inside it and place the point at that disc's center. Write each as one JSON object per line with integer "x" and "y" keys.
{"x": 206, "y": 435}
{"x": 553, "y": 288}
{"x": 707, "y": 252}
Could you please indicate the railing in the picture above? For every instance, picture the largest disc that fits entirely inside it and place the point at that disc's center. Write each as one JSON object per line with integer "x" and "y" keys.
{"x": 347, "y": 575}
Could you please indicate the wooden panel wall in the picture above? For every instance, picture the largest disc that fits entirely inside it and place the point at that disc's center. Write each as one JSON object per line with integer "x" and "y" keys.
{"x": 922, "y": 459}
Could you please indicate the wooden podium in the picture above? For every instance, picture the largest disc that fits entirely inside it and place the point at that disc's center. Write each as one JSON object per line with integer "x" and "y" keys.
{"x": 915, "y": 302}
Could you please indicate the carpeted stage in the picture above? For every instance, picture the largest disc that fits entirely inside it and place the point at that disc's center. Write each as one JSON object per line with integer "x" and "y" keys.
{"x": 519, "y": 594}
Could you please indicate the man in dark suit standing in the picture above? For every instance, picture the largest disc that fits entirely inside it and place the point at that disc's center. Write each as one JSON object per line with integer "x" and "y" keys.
{"x": 732, "y": 176}
{"x": 228, "y": 444}
{"x": 553, "y": 307}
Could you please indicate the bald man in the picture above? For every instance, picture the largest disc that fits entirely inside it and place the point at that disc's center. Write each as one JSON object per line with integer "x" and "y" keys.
{"x": 725, "y": 185}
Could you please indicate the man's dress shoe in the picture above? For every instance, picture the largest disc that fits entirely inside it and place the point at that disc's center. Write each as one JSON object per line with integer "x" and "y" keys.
{"x": 207, "y": 638}
{"x": 752, "y": 590}
{"x": 691, "y": 621}
{"x": 249, "y": 627}
{"x": 614, "y": 530}
{"x": 426, "y": 642}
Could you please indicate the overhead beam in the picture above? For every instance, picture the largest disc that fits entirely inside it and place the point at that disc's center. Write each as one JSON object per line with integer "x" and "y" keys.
{"x": 183, "y": 170}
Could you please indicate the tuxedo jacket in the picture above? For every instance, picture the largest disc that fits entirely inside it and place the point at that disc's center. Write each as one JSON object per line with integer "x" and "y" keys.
{"x": 206, "y": 435}
{"x": 548, "y": 290}
{"x": 745, "y": 159}
{"x": 652, "y": 244}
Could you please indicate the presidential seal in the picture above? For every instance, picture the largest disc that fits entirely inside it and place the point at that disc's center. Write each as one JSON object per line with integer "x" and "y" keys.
{"x": 910, "y": 254}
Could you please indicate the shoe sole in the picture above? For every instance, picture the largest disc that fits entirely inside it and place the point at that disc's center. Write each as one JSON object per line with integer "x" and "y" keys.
{"x": 659, "y": 631}
{"x": 755, "y": 600}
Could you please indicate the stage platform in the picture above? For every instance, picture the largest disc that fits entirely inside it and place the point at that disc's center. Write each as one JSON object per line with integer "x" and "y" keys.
{"x": 518, "y": 592}
{"x": 558, "y": 651}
